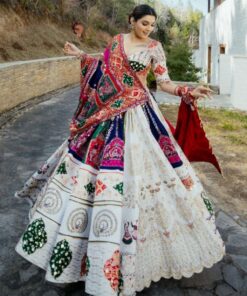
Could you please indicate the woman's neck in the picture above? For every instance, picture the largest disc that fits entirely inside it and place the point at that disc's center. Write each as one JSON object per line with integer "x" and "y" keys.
{"x": 135, "y": 39}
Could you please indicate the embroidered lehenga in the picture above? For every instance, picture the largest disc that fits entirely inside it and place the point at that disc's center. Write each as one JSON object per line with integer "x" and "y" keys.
{"x": 119, "y": 205}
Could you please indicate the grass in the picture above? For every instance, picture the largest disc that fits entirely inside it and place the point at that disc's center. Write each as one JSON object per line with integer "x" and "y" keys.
{"x": 231, "y": 125}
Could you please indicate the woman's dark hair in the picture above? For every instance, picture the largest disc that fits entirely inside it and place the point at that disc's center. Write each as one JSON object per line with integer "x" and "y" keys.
{"x": 142, "y": 10}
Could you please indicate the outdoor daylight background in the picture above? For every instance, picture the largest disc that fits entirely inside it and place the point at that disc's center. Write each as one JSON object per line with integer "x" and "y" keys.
{"x": 39, "y": 91}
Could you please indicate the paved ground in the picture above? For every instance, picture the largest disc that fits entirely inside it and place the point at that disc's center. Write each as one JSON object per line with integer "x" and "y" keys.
{"x": 29, "y": 140}
{"x": 219, "y": 101}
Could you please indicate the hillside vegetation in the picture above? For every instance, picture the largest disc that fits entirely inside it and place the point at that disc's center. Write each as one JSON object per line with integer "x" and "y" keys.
{"x": 37, "y": 29}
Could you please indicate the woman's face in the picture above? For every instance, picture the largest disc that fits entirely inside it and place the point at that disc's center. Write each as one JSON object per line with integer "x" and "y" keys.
{"x": 144, "y": 26}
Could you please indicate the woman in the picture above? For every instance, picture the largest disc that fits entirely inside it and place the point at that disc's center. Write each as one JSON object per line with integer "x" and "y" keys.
{"x": 121, "y": 206}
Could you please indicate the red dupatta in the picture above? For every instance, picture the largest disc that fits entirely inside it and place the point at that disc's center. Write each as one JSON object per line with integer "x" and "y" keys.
{"x": 118, "y": 88}
{"x": 191, "y": 136}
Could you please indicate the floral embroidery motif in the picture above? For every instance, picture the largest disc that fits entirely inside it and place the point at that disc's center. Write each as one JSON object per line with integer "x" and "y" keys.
{"x": 100, "y": 187}
{"x": 128, "y": 79}
{"x": 112, "y": 271}
{"x": 90, "y": 188}
{"x": 119, "y": 187}
{"x": 137, "y": 66}
{"x": 117, "y": 104}
{"x": 60, "y": 258}
{"x": 74, "y": 180}
{"x": 107, "y": 88}
{"x": 160, "y": 70}
{"x": 85, "y": 265}
{"x": 188, "y": 182}
{"x": 117, "y": 61}
{"x": 62, "y": 168}
{"x": 35, "y": 237}
{"x": 113, "y": 153}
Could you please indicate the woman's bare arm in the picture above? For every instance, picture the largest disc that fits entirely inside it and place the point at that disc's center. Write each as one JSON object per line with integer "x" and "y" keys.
{"x": 197, "y": 92}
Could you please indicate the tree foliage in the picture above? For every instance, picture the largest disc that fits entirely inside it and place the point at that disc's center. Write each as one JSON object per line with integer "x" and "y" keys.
{"x": 179, "y": 62}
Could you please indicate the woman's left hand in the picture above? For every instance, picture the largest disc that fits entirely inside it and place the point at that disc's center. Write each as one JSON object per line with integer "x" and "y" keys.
{"x": 202, "y": 92}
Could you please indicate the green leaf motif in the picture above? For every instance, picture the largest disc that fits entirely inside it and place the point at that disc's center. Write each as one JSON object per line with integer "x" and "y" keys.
{"x": 207, "y": 202}
{"x": 128, "y": 79}
{"x": 114, "y": 45}
{"x": 84, "y": 71}
{"x": 117, "y": 104}
{"x": 35, "y": 237}
{"x": 119, "y": 187}
{"x": 90, "y": 188}
{"x": 62, "y": 168}
{"x": 208, "y": 205}
{"x": 60, "y": 258}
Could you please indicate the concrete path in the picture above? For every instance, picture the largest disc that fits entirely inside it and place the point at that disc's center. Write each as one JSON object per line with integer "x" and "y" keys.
{"x": 26, "y": 143}
{"x": 218, "y": 101}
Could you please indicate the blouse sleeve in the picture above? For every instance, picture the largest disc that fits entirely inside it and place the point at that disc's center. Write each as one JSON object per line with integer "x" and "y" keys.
{"x": 159, "y": 64}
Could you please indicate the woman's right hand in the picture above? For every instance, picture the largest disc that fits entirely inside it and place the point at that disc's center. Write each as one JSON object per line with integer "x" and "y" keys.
{"x": 71, "y": 49}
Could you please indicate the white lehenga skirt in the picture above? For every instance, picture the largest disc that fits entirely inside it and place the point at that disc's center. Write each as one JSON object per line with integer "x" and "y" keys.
{"x": 115, "y": 229}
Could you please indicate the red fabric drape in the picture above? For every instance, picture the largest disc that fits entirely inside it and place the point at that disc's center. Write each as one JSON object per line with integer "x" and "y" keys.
{"x": 191, "y": 136}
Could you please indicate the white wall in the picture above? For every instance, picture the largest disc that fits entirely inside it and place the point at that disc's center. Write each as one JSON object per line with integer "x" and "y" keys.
{"x": 225, "y": 74}
{"x": 227, "y": 24}
{"x": 239, "y": 82}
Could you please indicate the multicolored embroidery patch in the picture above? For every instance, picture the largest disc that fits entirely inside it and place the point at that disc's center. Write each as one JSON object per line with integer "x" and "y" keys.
{"x": 35, "y": 237}
{"x": 107, "y": 88}
{"x": 112, "y": 271}
{"x": 94, "y": 151}
{"x": 113, "y": 154}
{"x": 60, "y": 258}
